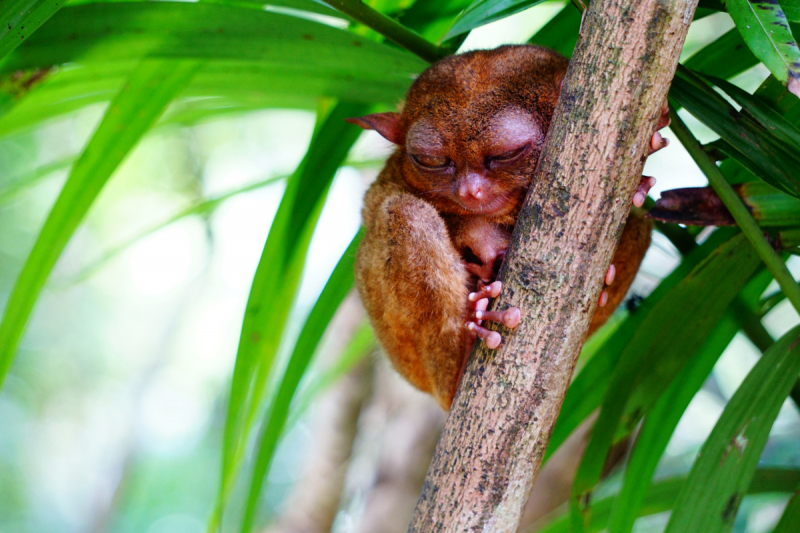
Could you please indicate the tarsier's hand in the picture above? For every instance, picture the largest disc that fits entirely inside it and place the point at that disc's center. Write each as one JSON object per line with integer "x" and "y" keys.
{"x": 657, "y": 142}
{"x": 478, "y": 302}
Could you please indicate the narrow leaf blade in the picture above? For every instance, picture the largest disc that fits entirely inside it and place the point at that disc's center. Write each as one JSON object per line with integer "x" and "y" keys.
{"x": 671, "y": 334}
{"x": 339, "y": 284}
{"x": 727, "y": 462}
{"x": 766, "y": 31}
{"x": 483, "y": 12}
{"x": 148, "y": 91}
{"x": 20, "y": 18}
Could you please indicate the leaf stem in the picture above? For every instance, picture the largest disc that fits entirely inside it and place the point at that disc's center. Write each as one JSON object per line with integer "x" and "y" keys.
{"x": 740, "y": 214}
{"x": 390, "y": 28}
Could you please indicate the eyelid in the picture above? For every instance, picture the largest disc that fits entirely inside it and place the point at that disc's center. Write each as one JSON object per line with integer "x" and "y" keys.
{"x": 511, "y": 154}
{"x": 419, "y": 159}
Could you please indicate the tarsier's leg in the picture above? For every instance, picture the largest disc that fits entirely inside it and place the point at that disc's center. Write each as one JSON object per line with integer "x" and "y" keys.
{"x": 414, "y": 285}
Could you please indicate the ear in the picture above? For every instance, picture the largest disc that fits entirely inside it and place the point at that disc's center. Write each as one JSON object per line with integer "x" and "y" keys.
{"x": 387, "y": 124}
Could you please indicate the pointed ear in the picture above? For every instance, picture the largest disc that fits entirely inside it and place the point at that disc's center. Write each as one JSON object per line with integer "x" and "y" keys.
{"x": 387, "y": 124}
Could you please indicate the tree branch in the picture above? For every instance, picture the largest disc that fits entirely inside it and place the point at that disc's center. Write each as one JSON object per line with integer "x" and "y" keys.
{"x": 508, "y": 401}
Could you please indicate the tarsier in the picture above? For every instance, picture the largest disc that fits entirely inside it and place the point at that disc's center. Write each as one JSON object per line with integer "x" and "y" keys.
{"x": 439, "y": 217}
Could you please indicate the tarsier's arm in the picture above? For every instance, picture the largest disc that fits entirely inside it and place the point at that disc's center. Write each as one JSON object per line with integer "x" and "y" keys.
{"x": 413, "y": 285}
{"x": 439, "y": 216}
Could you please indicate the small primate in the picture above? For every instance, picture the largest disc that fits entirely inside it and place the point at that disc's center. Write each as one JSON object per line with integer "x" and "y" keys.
{"x": 439, "y": 217}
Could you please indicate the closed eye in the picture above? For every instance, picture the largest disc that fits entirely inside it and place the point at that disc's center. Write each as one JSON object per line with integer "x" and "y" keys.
{"x": 510, "y": 156}
{"x": 431, "y": 161}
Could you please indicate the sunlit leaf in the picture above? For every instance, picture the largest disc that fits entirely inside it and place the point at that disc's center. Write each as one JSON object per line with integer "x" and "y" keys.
{"x": 10, "y": 191}
{"x": 199, "y": 207}
{"x": 277, "y": 279}
{"x": 719, "y": 479}
{"x": 482, "y": 12}
{"x": 339, "y": 284}
{"x": 561, "y": 33}
{"x": 725, "y": 57}
{"x": 148, "y": 91}
{"x": 128, "y": 31}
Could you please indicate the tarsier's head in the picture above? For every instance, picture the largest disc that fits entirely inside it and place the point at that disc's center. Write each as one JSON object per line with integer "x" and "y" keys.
{"x": 473, "y": 126}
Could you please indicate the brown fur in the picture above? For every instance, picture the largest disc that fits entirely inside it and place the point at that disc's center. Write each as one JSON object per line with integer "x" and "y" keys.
{"x": 412, "y": 267}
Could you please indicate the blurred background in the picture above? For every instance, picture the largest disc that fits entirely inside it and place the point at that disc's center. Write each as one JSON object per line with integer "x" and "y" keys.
{"x": 111, "y": 417}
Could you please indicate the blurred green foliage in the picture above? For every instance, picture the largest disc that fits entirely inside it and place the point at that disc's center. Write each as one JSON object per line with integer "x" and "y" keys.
{"x": 161, "y": 169}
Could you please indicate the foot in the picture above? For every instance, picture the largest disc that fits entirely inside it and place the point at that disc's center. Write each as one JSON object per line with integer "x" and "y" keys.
{"x": 657, "y": 142}
{"x": 645, "y": 185}
{"x": 607, "y": 280}
{"x": 479, "y": 301}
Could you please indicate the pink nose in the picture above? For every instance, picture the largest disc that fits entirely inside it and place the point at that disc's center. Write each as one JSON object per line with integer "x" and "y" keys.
{"x": 471, "y": 190}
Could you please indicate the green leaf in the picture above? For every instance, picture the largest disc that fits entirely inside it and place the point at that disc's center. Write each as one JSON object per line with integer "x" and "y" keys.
{"x": 277, "y": 280}
{"x": 561, "y": 33}
{"x": 148, "y": 91}
{"x": 660, "y": 422}
{"x": 360, "y": 345}
{"x": 790, "y": 520}
{"x": 338, "y": 286}
{"x": 725, "y": 57}
{"x": 482, "y": 12}
{"x": 433, "y": 20}
{"x": 774, "y": 94}
{"x": 255, "y": 59}
{"x": 766, "y": 31}
{"x": 587, "y": 390}
{"x": 669, "y": 336}
{"x": 727, "y": 462}
{"x": 771, "y": 119}
{"x": 128, "y": 31}
{"x": 790, "y": 7}
{"x": 769, "y": 206}
{"x": 756, "y": 148}
{"x": 20, "y": 18}
{"x": 662, "y": 494}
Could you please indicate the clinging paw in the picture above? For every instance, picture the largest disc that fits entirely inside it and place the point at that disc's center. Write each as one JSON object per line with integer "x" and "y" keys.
{"x": 645, "y": 185}
{"x": 657, "y": 142}
{"x": 607, "y": 280}
{"x": 479, "y": 301}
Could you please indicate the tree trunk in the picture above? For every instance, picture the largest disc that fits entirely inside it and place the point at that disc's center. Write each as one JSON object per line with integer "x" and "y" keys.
{"x": 508, "y": 401}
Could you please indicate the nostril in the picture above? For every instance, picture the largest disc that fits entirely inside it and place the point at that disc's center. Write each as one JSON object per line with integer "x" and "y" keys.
{"x": 471, "y": 191}
{"x": 474, "y": 190}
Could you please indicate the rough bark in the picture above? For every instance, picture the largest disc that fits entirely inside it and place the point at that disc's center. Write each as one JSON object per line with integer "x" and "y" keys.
{"x": 508, "y": 401}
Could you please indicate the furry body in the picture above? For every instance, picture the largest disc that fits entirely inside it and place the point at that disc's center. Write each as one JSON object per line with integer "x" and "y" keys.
{"x": 440, "y": 214}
